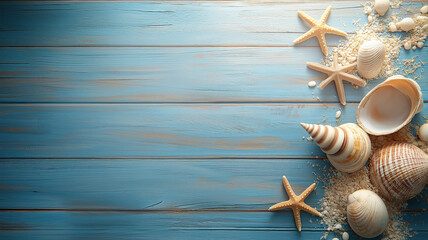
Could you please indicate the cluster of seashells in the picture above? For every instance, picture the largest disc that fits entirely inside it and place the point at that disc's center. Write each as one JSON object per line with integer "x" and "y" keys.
{"x": 418, "y": 22}
{"x": 398, "y": 171}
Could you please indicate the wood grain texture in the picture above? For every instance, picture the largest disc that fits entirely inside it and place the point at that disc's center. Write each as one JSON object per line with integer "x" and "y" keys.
{"x": 168, "y": 23}
{"x": 138, "y": 130}
{"x": 74, "y": 225}
{"x": 165, "y": 119}
{"x": 177, "y": 74}
{"x": 160, "y": 185}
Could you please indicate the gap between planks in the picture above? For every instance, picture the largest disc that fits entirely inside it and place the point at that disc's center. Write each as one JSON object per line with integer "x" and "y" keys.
{"x": 184, "y": 1}
{"x": 285, "y": 157}
{"x": 168, "y": 46}
{"x": 326, "y": 103}
{"x": 167, "y": 210}
{"x": 194, "y": 1}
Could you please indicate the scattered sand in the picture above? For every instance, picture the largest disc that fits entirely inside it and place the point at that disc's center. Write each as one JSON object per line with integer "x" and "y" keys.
{"x": 339, "y": 185}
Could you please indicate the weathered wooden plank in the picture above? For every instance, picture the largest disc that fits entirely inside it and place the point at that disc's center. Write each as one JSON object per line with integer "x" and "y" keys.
{"x": 176, "y": 74}
{"x": 159, "y": 184}
{"x": 166, "y": 23}
{"x": 224, "y": 225}
{"x": 218, "y": 184}
{"x": 145, "y": 130}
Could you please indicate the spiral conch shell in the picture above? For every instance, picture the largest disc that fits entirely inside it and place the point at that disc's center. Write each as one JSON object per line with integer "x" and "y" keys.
{"x": 367, "y": 214}
{"x": 370, "y": 59}
{"x": 399, "y": 171}
{"x": 347, "y": 147}
{"x": 390, "y": 105}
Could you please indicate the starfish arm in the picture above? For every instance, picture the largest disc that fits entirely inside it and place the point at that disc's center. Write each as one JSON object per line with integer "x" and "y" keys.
{"x": 310, "y": 209}
{"x": 325, "y": 14}
{"x": 296, "y": 212}
{"x": 326, "y": 81}
{"x": 288, "y": 188}
{"x": 323, "y": 43}
{"x": 348, "y": 67}
{"x": 320, "y": 68}
{"x": 307, "y": 192}
{"x": 306, "y": 18}
{"x": 339, "y": 89}
{"x": 306, "y": 36}
{"x": 353, "y": 79}
{"x": 332, "y": 30}
{"x": 280, "y": 205}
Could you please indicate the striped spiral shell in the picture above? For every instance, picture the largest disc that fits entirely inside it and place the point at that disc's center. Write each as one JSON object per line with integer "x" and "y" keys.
{"x": 347, "y": 147}
{"x": 366, "y": 213}
{"x": 399, "y": 171}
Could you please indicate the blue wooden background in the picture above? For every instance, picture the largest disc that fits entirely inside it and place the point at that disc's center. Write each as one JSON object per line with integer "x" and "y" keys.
{"x": 165, "y": 119}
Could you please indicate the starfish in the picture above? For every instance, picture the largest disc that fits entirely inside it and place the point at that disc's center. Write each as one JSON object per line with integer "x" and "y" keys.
{"x": 319, "y": 29}
{"x": 337, "y": 74}
{"x": 296, "y": 203}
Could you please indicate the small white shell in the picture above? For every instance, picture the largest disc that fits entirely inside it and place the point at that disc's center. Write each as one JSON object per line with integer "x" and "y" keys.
{"x": 338, "y": 114}
{"x": 407, "y": 45}
{"x": 370, "y": 59}
{"x": 345, "y": 236}
{"x": 424, "y": 9}
{"x": 367, "y": 10}
{"x": 312, "y": 84}
{"x": 347, "y": 147}
{"x": 392, "y": 27}
{"x": 420, "y": 44}
{"x": 406, "y": 24}
{"x": 399, "y": 171}
{"x": 367, "y": 214}
{"x": 423, "y": 132}
{"x": 381, "y": 6}
{"x": 390, "y": 105}
{"x": 422, "y": 19}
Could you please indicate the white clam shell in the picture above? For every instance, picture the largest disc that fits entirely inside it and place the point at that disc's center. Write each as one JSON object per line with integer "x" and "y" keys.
{"x": 370, "y": 59}
{"x": 392, "y": 27}
{"x": 423, "y": 132}
{"x": 367, "y": 214}
{"x": 406, "y": 24}
{"x": 399, "y": 171}
{"x": 381, "y": 6}
{"x": 347, "y": 147}
{"x": 424, "y": 9}
{"x": 389, "y": 106}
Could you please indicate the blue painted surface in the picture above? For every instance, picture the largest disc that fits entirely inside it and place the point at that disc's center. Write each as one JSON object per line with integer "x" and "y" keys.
{"x": 150, "y": 74}
{"x": 165, "y": 120}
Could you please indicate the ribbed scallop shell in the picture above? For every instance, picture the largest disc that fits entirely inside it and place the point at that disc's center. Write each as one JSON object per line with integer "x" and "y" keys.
{"x": 347, "y": 147}
{"x": 381, "y": 6}
{"x": 399, "y": 171}
{"x": 370, "y": 59}
{"x": 390, "y": 105}
{"x": 367, "y": 214}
